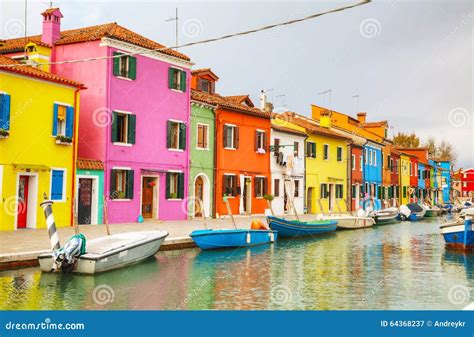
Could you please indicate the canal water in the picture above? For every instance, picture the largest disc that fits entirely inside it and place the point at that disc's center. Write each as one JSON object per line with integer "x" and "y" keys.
{"x": 400, "y": 266}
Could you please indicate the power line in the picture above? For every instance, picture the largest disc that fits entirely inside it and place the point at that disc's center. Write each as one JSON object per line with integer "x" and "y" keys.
{"x": 224, "y": 37}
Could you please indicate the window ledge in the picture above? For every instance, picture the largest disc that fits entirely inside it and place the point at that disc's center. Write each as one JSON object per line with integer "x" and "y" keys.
{"x": 121, "y": 200}
{"x": 174, "y": 199}
{"x": 177, "y": 90}
{"x": 230, "y": 148}
{"x": 202, "y": 148}
{"x": 175, "y": 150}
{"x": 124, "y": 78}
{"x": 122, "y": 144}
{"x": 58, "y": 201}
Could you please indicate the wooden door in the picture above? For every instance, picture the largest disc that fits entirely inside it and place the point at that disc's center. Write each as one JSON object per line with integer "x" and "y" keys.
{"x": 147, "y": 196}
{"x": 84, "y": 202}
{"x": 309, "y": 201}
{"x": 22, "y": 209}
{"x": 199, "y": 196}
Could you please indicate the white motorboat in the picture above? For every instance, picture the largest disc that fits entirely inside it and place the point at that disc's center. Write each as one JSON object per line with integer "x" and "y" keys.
{"x": 386, "y": 216}
{"x": 111, "y": 252}
{"x": 347, "y": 221}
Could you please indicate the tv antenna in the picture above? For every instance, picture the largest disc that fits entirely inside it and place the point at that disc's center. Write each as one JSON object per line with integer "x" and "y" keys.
{"x": 176, "y": 19}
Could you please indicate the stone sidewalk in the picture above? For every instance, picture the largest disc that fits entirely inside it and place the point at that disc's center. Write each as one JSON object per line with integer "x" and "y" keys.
{"x": 21, "y": 247}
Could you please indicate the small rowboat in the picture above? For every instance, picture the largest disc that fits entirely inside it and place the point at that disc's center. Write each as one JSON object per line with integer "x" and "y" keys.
{"x": 232, "y": 238}
{"x": 294, "y": 228}
{"x": 350, "y": 222}
{"x": 386, "y": 216}
{"x": 111, "y": 252}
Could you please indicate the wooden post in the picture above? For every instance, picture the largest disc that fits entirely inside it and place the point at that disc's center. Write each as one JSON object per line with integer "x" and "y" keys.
{"x": 229, "y": 211}
{"x": 106, "y": 218}
{"x": 74, "y": 211}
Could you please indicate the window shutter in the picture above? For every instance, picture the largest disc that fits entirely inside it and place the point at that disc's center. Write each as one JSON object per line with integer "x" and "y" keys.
{"x": 132, "y": 73}
{"x": 117, "y": 64}
{"x": 265, "y": 185}
{"x": 182, "y": 83}
{"x": 114, "y": 127}
{"x": 223, "y": 185}
{"x": 265, "y": 141}
{"x": 182, "y": 136}
{"x": 234, "y": 185}
{"x": 171, "y": 78}
{"x": 55, "y": 120}
{"x": 168, "y": 182}
{"x": 276, "y": 144}
{"x": 256, "y": 141}
{"x": 130, "y": 181}
{"x": 57, "y": 185}
{"x": 236, "y": 140}
{"x": 224, "y": 136}
{"x": 69, "y": 121}
{"x": 132, "y": 125}
{"x": 5, "y": 112}
{"x": 113, "y": 186}
{"x": 169, "y": 133}
{"x": 180, "y": 185}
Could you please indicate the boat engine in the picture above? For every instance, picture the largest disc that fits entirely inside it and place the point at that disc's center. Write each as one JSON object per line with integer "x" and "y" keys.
{"x": 65, "y": 258}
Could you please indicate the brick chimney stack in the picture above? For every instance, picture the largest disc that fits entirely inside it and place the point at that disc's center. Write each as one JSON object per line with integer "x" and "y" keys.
{"x": 51, "y": 26}
{"x": 361, "y": 116}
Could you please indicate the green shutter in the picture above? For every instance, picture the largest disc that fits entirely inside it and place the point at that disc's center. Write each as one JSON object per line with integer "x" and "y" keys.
{"x": 114, "y": 127}
{"x": 182, "y": 136}
{"x": 130, "y": 181}
{"x": 117, "y": 64}
{"x": 314, "y": 149}
{"x": 170, "y": 78}
{"x": 132, "y": 124}
{"x": 113, "y": 186}
{"x": 132, "y": 73}
{"x": 182, "y": 83}
{"x": 168, "y": 179}
{"x": 169, "y": 133}
{"x": 180, "y": 185}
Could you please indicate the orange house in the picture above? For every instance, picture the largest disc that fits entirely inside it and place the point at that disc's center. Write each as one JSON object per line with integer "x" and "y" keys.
{"x": 242, "y": 167}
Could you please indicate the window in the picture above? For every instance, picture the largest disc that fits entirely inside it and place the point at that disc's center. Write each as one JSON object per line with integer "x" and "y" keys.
{"x": 366, "y": 155}
{"x": 231, "y": 136}
{"x": 297, "y": 188}
{"x": 5, "y": 112}
{"x": 123, "y": 128}
{"x": 121, "y": 184}
{"x": 296, "y": 147}
{"x": 276, "y": 187}
{"x": 375, "y": 157}
{"x": 174, "y": 185}
{"x": 464, "y": 184}
{"x": 63, "y": 120}
{"x": 276, "y": 146}
{"x": 411, "y": 169}
{"x": 324, "y": 191}
{"x": 260, "y": 187}
{"x": 353, "y": 191}
{"x": 339, "y": 191}
{"x": 353, "y": 162}
{"x": 260, "y": 141}
{"x": 361, "y": 167}
{"x": 205, "y": 85}
{"x": 176, "y": 79}
{"x": 326, "y": 152}
{"x": 125, "y": 66}
{"x": 202, "y": 136}
{"x": 310, "y": 150}
{"x": 58, "y": 184}
{"x": 370, "y": 157}
{"x": 367, "y": 189}
{"x": 176, "y": 135}
{"x": 229, "y": 186}
{"x": 389, "y": 162}
{"x": 339, "y": 153}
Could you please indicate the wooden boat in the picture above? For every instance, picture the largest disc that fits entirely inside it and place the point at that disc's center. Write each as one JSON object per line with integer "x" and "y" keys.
{"x": 294, "y": 228}
{"x": 111, "y": 252}
{"x": 386, "y": 216}
{"x": 459, "y": 236}
{"x": 350, "y": 221}
{"x": 232, "y": 238}
{"x": 432, "y": 211}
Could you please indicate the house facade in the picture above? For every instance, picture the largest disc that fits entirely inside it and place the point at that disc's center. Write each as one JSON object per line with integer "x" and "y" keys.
{"x": 372, "y": 174}
{"x": 89, "y": 191}
{"x": 404, "y": 174}
{"x": 38, "y": 140}
{"x": 463, "y": 183}
{"x": 395, "y": 168}
{"x": 288, "y": 166}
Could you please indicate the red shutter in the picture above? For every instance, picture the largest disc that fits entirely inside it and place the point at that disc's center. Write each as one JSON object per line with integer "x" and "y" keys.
{"x": 256, "y": 141}
{"x": 224, "y": 134}
{"x": 236, "y": 145}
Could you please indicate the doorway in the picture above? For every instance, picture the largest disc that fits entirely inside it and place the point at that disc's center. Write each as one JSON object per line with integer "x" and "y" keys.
{"x": 149, "y": 188}
{"x": 247, "y": 195}
{"x": 22, "y": 207}
{"x": 84, "y": 201}
{"x": 309, "y": 201}
{"x": 26, "y": 200}
{"x": 199, "y": 196}
{"x": 357, "y": 197}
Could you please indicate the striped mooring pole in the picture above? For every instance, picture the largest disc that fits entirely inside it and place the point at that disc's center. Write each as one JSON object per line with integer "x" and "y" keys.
{"x": 48, "y": 214}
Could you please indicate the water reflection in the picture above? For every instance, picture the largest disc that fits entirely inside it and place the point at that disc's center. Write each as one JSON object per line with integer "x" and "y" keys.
{"x": 400, "y": 266}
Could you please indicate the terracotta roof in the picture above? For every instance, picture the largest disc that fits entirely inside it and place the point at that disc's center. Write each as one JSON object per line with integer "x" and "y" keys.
{"x": 92, "y": 33}
{"x": 374, "y": 124}
{"x": 49, "y": 11}
{"x": 281, "y": 128}
{"x": 226, "y": 103}
{"x": 89, "y": 164}
{"x": 241, "y": 99}
{"x": 35, "y": 72}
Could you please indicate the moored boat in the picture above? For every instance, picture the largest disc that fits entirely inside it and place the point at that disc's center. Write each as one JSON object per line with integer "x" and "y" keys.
{"x": 110, "y": 252}
{"x": 459, "y": 235}
{"x": 432, "y": 211}
{"x": 232, "y": 238}
{"x": 412, "y": 212}
{"x": 386, "y": 216}
{"x": 350, "y": 221}
{"x": 295, "y": 228}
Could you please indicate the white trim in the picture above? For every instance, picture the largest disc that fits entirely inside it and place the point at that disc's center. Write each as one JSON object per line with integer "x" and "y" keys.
{"x": 61, "y": 103}
{"x": 122, "y": 144}
{"x": 228, "y": 124}
{"x": 64, "y": 182}
{"x": 121, "y": 199}
{"x": 130, "y": 48}
{"x": 36, "y": 55}
{"x": 95, "y": 196}
{"x": 124, "y": 78}
{"x": 121, "y": 168}
{"x": 32, "y": 199}
{"x": 353, "y": 161}
{"x": 260, "y": 130}
{"x": 230, "y": 148}
{"x": 229, "y": 174}
{"x": 181, "y": 92}
{"x": 122, "y": 112}
{"x": 175, "y": 150}
{"x": 175, "y": 171}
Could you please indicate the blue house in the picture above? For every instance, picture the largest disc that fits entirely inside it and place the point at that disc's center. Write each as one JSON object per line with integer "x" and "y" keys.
{"x": 445, "y": 167}
{"x": 421, "y": 181}
{"x": 372, "y": 174}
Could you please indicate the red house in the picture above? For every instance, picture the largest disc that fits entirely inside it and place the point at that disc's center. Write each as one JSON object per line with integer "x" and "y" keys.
{"x": 394, "y": 190}
{"x": 356, "y": 176}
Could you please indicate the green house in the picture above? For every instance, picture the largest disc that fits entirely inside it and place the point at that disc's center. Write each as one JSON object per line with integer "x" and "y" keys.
{"x": 89, "y": 193}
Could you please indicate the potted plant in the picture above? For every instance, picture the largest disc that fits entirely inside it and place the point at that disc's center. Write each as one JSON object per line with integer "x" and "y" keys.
{"x": 269, "y": 198}
{"x": 4, "y": 133}
{"x": 60, "y": 139}
{"x": 173, "y": 196}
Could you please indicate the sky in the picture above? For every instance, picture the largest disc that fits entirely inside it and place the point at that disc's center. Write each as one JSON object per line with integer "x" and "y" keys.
{"x": 408, "y": 62}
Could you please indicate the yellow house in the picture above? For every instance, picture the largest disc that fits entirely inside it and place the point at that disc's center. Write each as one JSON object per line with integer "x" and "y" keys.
{"x": 404, "y": 174}
{"x": 326, "y": 159}
{"x": 38, "y": 131}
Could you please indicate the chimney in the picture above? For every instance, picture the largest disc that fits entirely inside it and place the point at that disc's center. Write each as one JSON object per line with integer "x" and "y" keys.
{"x": 361, "y": 116}
{"x": 263, "y": 99}
{"x": 325, "y": 119}
{"x": 51, "y": 25}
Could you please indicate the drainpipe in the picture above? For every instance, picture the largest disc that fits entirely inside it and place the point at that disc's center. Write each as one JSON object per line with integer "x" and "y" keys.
{"x": 74, "y": 151}
{"x": 214, "y": 171}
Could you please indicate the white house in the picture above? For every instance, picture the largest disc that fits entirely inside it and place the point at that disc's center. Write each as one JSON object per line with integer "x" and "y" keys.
{"x": 287, "y": 165}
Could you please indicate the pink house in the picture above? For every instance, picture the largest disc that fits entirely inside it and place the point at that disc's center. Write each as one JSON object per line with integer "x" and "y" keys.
{"x": 134, "y": 114}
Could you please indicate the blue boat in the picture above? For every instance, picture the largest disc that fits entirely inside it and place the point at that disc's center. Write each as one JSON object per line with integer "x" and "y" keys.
{"x": 294, "y": 228}
{"x": 232, "y": 238}
{"x": 458, "y": 235}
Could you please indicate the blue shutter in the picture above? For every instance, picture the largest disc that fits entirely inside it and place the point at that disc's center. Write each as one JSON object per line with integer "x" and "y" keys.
{"x": 69, "y": 121}
{"x": 55, "y": 120}
{"x": 57, "y": 185}
{"x": 5, "y": 112}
